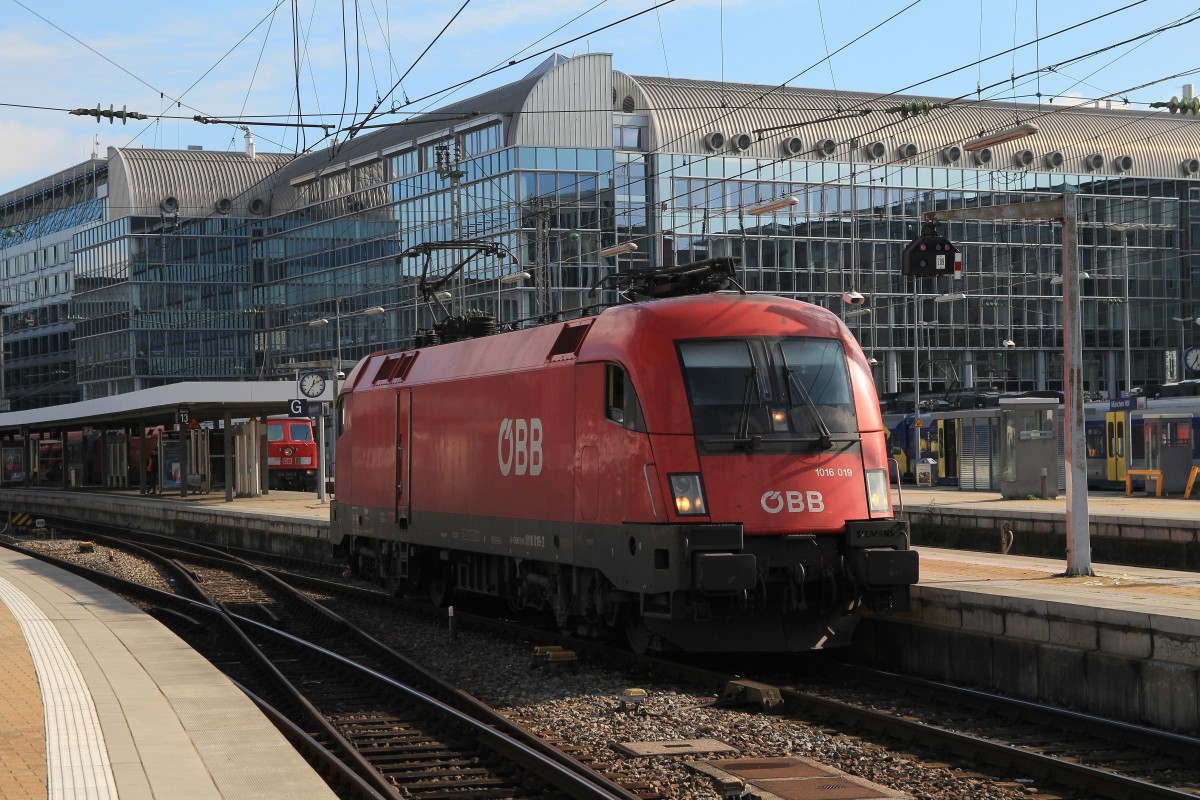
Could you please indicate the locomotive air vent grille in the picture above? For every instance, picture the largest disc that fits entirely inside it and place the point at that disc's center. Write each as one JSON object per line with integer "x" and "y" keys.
{"x": 627, "y": 105}
{"x": 714, "y": 140}
{"x": 908, "y": 150}
{"x": 792, "y": 146}
{"x": 394, "y": 368}
{"x": 569, "y": 340}
{"x": 1094, "y": 162}
{"x": 742, "y": 142}
{"x": 952, "y": 154}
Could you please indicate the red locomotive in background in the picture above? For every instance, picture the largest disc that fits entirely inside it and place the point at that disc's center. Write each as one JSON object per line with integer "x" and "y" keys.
{"x": 292, "y": 454}
{"x": 707, "y": 472}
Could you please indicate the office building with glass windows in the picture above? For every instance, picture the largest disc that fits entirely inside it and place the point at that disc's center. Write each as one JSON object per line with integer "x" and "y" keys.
{"x": 232, "y": 265}
{"x": 37, "y": 280}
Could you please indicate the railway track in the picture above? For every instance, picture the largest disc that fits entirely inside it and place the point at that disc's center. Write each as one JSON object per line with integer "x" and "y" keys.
{"x": 1092, "y": 755}
{"x": 1072, "y": 754}
{"x": 347, "y": 694}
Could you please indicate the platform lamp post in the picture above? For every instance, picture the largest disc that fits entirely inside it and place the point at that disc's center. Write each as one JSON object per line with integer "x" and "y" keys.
{"x": 336, "y": 376}
{"x": 1183, "y": 321}
{"x": 615, "y": 252}
{"x": 3, "y": 389}
{"x": 1123, "y": 230}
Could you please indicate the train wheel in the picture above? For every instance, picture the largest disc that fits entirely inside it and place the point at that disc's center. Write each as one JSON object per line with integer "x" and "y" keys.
{"x": 441, "y": 585}
{"x": 637, "y": 634}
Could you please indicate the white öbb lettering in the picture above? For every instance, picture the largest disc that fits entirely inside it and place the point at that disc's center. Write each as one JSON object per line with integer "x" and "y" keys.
{"x": 795, "y": 502}
{"x": 519, "y": 446}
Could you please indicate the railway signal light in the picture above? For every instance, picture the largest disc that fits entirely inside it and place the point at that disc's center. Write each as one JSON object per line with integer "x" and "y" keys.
{"x": 930, "y": 255}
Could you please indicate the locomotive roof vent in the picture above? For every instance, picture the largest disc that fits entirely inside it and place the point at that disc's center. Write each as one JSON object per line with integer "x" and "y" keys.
{"x": 569, "y": 340}
{"x": 394, "y": 367}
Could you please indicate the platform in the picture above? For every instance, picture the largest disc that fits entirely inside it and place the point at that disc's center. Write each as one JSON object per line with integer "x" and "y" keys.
{"x": 1123, "y": 643}
{"x": 100, "y": 701}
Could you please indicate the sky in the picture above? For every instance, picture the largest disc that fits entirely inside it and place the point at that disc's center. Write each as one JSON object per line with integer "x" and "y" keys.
{"x": 237, "y": 61}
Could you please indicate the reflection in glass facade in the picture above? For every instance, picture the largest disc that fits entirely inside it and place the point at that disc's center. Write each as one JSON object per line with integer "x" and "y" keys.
{"x": 804, "y": 251}
{"x": 37, "y": 281}
{"x": 250, "y": 294}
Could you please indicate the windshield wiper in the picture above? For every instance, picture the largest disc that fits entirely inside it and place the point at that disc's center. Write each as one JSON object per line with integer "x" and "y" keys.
{"x": 743, "y": 428}
{"x": 824, "y": 435}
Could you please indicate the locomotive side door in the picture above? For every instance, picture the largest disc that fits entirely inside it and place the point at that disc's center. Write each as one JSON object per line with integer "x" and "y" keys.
{"x": 403, "y": 456}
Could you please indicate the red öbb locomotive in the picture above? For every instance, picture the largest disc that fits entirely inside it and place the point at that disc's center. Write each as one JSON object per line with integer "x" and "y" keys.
{"x": 707, "y": 472}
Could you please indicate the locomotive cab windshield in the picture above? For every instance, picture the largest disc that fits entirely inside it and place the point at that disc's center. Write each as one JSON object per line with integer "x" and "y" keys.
{"x": 788, "y": 392}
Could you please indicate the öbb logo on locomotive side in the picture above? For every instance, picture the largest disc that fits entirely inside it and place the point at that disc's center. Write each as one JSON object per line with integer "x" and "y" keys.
{"x": 795, "y": 502}
{"x": 519, "y": 447}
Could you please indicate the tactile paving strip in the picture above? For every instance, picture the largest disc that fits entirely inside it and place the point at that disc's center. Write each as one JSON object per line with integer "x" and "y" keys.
{"x": 77, "y": 762}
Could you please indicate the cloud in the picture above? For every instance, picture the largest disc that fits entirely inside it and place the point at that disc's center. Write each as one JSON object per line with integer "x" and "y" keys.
{"x": 36, "y": 151}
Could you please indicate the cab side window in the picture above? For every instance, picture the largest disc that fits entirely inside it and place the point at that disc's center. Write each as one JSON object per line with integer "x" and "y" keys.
{"x": 620, "y": 400}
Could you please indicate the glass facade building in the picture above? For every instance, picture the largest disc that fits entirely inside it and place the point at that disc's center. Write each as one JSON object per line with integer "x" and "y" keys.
{"x": 37, "y": 281}
{"x": 238, "y": 275}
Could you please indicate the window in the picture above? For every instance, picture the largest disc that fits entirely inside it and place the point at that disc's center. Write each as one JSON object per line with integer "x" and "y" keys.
{"x": 761, "y": 386}
{"x": 300, "y": 431}
{"x": 626, "y": 137}
{"x": 620, "y": 400}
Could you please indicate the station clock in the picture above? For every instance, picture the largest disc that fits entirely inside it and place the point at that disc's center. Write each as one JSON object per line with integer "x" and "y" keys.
{"x": 1191, "y": 359}
{"x": 312, "y": 384}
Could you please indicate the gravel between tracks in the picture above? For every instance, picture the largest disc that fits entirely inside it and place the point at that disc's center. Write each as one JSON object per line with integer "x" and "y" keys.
{"x": 580, "y": 705}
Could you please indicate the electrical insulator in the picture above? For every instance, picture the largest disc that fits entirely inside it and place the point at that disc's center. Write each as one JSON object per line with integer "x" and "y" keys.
{"x": 109, "y": 114}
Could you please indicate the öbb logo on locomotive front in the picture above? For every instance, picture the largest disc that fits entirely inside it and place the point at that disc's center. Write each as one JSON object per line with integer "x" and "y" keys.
{"x": 773, "y": 502}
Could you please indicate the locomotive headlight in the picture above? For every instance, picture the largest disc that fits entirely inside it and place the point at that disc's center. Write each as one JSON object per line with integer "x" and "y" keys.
{"x": 689, "y": 495}
{"x": 779, "y": 422}
{"x": 878, "y": 499}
